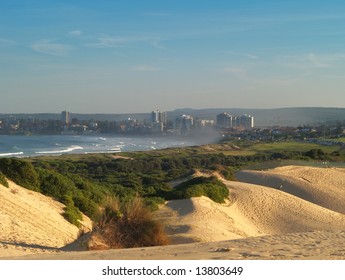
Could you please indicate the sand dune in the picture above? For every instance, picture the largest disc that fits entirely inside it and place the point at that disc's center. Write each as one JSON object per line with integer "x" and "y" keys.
{"x": 302, "y": 220}
{"x": 275, "y": 212}
{"x": 31, "y": 221}
{"x": 322, "y": 186}
{"x": 252, "y": 210}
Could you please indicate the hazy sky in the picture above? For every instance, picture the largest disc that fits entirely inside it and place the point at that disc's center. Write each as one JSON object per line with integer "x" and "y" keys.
{"x": 119, "y": 56}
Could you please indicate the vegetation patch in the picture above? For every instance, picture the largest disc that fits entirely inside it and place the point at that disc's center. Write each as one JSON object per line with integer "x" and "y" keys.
{"x": 21, "y": 172}
{"x": 3, "y": 180}
{"x": 290, "y": 146}
{"x": 211, "y": 187}
{"x": 73, "y": 215}
{"x": 317, "y": 154}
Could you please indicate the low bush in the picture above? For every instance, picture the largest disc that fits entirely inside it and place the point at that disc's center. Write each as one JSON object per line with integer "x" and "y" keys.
{"x": 228, "y": 173}
{"x": 317, "y": 154}
{"x": 73, "y": 215}
{"x": 86, "y": 205}
{"x": 3, "y": 180}
{"x": 54, "y": 184}
{"x": 21, "y": 172}
{"x": 153, "y": 202}
{"x": 201, "y": 186}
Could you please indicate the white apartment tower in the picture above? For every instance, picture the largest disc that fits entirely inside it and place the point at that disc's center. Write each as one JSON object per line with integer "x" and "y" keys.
{"x": 65, "y": 117}
{"x": 246, "y": 121}
{"x": 159, "y": 120}
{"x": 224, "y": 120}
{"x": 158, "y": 117}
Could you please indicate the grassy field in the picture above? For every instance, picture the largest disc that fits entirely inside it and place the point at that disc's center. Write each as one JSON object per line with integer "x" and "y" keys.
{"x": 244, "y": 148}
{"x": 291, "y": 147}
{"x": 341, "y": 139}
{"x": 251, "y": 148}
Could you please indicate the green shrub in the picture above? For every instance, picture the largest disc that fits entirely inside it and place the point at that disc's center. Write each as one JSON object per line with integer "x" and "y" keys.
{"x": 152, "y": 203}
{"x": 316, "y": 154}
{"x": 72, "y": 191}
{"x": 3, "y": 180}
{"x": 93, "y": 190}
{"x": 228, "y": 173}
{"x": 201, "y": 186}
{"x": 21, "y": 172}
{"x": 73, "y": 215}
{"x": 54, "y": 184}
{"x": 86, "y": 205}
{"x": 67, "y": 200}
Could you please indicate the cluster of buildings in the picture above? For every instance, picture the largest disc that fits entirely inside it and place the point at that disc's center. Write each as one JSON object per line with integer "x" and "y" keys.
{"x": 156, "y": 123}
{"x": 185, "y": 123}
{"x": 225, "y": 120}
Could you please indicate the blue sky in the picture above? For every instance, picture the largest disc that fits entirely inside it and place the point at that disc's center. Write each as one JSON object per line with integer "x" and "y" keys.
{"x": 127, "y": 56}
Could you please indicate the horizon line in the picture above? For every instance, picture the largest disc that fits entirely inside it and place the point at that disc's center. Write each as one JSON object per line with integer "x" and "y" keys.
{"x": 179, "y": 109}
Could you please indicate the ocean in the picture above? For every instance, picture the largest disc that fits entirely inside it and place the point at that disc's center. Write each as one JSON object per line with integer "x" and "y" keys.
{"x": 39, "y": 145}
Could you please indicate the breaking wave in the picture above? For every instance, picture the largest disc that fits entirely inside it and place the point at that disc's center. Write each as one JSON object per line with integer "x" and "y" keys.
{"x": 68, "y": 150}
{"x": 11, "y": 154}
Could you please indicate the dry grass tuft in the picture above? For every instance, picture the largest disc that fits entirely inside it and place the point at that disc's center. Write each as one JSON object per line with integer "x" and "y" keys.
{"x": 127, "y": 225}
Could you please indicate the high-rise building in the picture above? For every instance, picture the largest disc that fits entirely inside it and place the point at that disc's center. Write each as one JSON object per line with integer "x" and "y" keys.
{"x": 155, "y": 116}
{"x": 246, "y": 121}
{"x": 224, "y": 120}
{"x": 65, "y": 117}
{"x": 184, "y": 123}
{"x": 159, "y": 120}
{"x": 158, "y": 117}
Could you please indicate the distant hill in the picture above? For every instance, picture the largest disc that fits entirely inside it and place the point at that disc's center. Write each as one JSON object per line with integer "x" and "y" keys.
{"x": 263, "y": 117}
{"x": 96, "y": 117}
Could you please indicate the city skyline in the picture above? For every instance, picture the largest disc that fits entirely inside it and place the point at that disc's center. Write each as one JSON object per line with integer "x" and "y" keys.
{"x": 132, "y": 56}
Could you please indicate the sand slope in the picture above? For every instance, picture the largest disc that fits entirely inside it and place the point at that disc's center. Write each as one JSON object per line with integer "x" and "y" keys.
{"x": 252, "y": 210}
{"x": 30, "y": 220}
{"x": 322, "y": 186}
